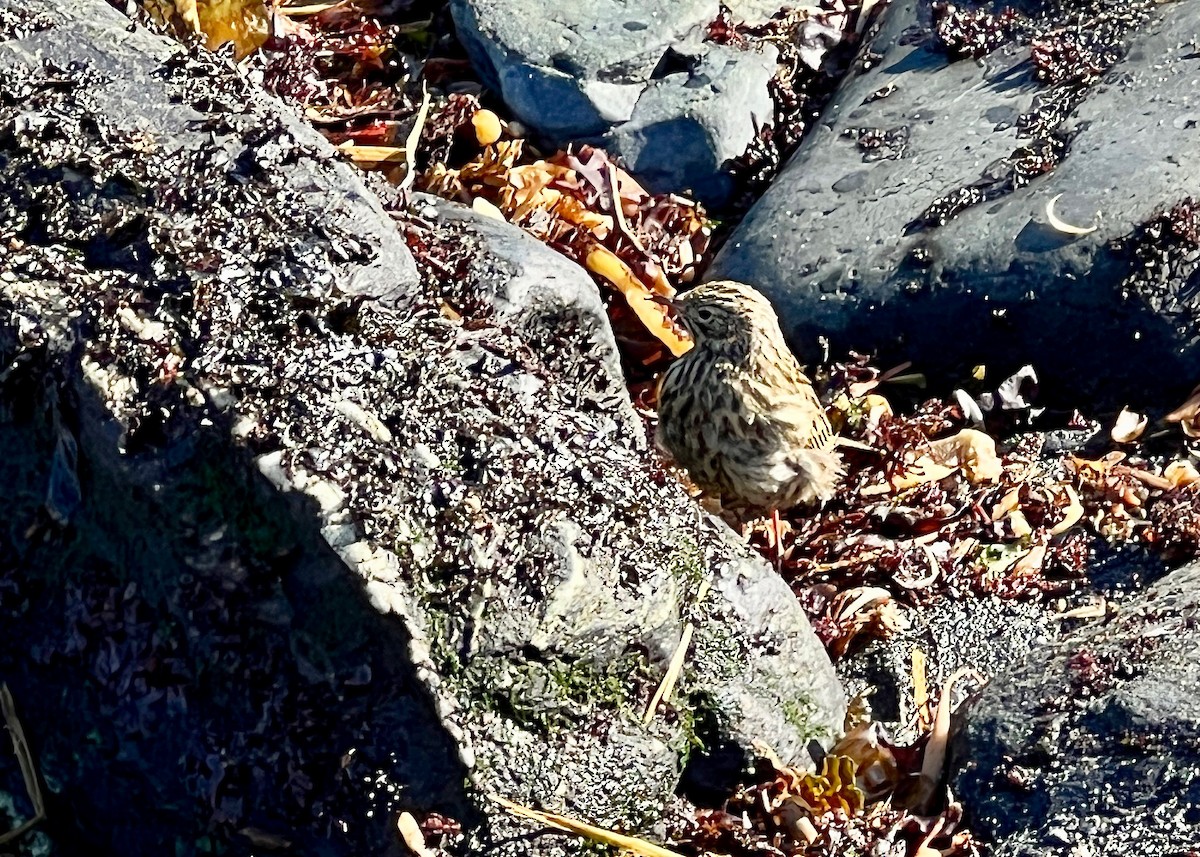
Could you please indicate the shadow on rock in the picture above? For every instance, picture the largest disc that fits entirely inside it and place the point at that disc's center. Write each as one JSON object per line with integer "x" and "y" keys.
{"x": 189, "y": 661}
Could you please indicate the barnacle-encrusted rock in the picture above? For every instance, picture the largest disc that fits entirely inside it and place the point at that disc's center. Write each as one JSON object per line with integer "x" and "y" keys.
{"x": 471, "y": 580}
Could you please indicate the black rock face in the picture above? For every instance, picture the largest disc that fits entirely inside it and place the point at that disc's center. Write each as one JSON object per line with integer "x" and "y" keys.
{"x": 913, "y": 222}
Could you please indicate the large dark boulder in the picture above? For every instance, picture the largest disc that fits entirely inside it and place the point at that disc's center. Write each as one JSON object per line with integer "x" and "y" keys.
{"x": 295, "y": 539}
{"x": 848, "y": 242}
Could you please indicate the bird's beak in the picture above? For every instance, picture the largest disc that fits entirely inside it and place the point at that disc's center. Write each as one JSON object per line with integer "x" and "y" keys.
{"x": 673, "y": 316}
{"x": 663, "y": 300}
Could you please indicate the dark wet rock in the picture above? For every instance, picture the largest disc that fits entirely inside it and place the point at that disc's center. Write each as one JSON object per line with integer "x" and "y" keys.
{"x": 1092, "y": 745}
{"x": 912, "y": 221}
{"x": 577, "y": 69}
{"x": 470, "y": 582}
{"x": 638, "y": 75}
{"x": 953, "y": 631}
{"x": 687, "y": 125}
{"x": 985, "y": 633}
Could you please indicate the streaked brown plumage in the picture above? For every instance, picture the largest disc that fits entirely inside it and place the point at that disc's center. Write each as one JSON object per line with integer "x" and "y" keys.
{"x": 737, "y": 410}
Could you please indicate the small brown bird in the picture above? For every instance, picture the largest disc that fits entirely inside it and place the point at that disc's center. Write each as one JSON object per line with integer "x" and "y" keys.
{"x": 737, "y": 410}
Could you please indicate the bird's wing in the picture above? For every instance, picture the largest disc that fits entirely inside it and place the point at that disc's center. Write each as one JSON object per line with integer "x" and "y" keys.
{"x": 792, "y": 401}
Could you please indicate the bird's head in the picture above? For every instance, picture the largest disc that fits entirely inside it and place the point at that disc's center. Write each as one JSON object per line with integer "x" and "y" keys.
{"x": 724, "y": 316}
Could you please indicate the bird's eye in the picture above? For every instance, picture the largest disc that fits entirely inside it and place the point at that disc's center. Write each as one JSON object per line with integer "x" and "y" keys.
{"x": 704, "y": 314}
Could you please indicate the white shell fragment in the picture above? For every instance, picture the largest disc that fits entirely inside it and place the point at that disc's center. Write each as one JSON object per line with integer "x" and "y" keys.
{"x": 1129, "y": 426}
{"x": 411, "y": 833}
{"x": 369, "y": 423}
{"x": 1062, "y": 226}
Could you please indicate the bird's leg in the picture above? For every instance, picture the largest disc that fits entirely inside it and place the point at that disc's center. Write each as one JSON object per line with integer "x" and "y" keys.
{"x": 777, "y": 530}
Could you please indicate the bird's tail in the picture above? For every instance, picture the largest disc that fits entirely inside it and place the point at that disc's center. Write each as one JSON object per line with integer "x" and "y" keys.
{"x": 825, "y": 470}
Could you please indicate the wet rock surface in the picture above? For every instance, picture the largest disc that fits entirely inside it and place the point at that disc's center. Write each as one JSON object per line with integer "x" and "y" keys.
{"x": 1092, "y": 745}
{"x": 913, "y": 219}
{"x": 958, "y": 629}
{"x": 953, "y": 631}
{"x": 193, "y": 289}
{"x": 687, "y": 125}
{"x": 638, "y": 75}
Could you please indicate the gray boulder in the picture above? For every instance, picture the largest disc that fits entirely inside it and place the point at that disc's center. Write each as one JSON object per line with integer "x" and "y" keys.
{"x": 687, "y": 125}
{"x": 847, "y": 241}
{"x": 636, "y": 76}
{"x": 756, "y": 12}
{"x": 576, "y": 69}
{"x": 519, "y": 283}
{"x": 459, "y": 575}
{"x": 1092, "y": 745}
